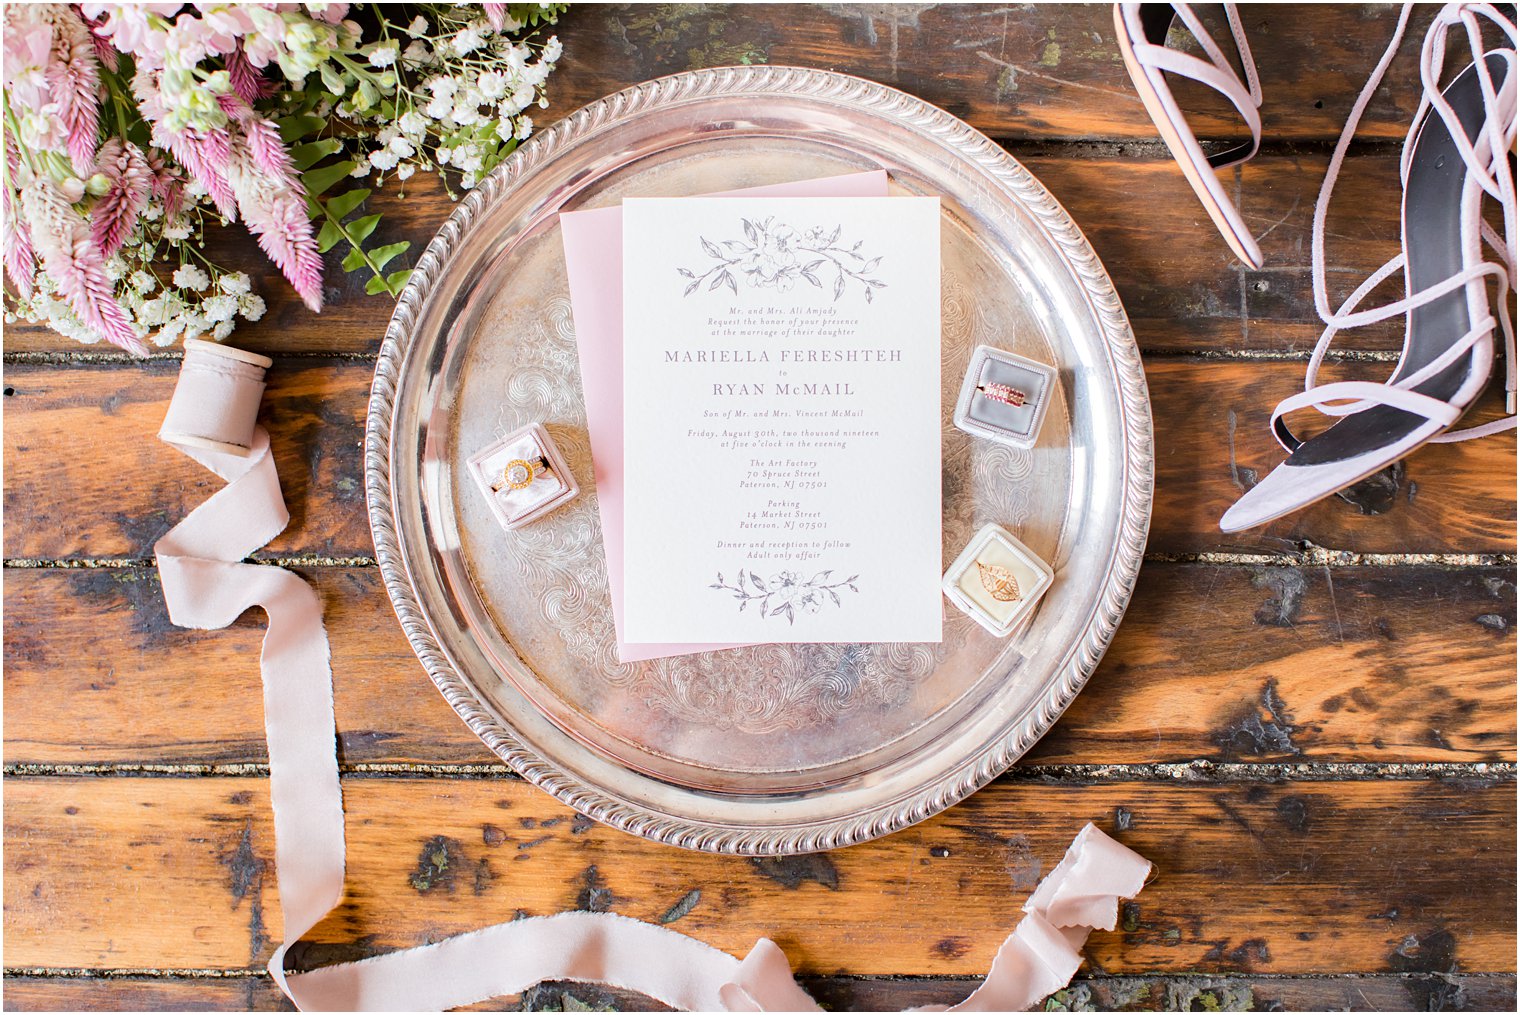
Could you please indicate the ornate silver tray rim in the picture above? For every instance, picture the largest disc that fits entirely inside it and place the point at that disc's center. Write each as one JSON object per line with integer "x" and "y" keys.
{"x": 1082, "y": 658}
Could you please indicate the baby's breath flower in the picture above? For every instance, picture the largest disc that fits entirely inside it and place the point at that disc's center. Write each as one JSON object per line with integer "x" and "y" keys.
{"x": 143, "y": 281}
{"x": 234, "y": 283}
{"x": 188, "y": 276}
{"x": 251, "y": 306}
{"x": 418, "y": 27}
{"x": 384, "y": 54}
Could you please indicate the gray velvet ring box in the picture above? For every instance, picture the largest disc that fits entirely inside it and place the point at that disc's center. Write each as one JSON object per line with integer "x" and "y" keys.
{"x": 983, "y": 416}
{"x": 546, "y": 487}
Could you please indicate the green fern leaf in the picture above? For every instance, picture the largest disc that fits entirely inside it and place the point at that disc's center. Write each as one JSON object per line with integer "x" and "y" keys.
{"x": 317, "y": 181}
{"x": 383, "y": 255}
{"x": 341, "y": 205}
{"x": 304, "y": 156}
{"x": 359, "y": 229}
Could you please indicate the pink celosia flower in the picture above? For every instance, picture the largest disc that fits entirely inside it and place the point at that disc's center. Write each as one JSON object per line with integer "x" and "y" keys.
{"x": 249, "y": 84}
{"x": 274, "y": 210}
{"x": 62, "y": 238}
{"x": 104, "y": 51}
{"x": 73, "y": 78}
{"x": 496, "y": 14}
{"x": 20, "y": 262}
{"x": 131, "y": 183}
{"x": 203, "y": 153}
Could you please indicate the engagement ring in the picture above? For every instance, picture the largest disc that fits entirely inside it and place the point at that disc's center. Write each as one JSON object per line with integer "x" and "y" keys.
{"x": 1002, "y": 393}
{"x": 520, "y": 473}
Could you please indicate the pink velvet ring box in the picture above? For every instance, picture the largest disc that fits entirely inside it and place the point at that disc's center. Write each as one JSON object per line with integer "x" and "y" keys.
{"x": 523, "y": 476}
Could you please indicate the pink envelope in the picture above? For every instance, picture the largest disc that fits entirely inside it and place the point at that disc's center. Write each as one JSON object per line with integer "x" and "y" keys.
{"x": 594, "y": 266}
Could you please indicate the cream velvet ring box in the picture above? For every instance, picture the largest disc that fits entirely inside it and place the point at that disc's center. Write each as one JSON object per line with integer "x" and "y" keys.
{"x": 1004, "y": 397}
{"x": 997, "y": 580}
{"x": 523, "y": 476}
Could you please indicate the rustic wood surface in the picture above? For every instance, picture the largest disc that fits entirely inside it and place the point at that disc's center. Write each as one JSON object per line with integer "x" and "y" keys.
{"x": 1310, "y": 728}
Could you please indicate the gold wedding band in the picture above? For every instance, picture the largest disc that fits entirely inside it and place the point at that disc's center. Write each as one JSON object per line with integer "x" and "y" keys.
{"x": 519, "y": 473}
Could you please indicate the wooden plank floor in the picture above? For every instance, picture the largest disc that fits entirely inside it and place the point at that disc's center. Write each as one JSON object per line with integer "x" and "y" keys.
{"x": 1310, "y": 728}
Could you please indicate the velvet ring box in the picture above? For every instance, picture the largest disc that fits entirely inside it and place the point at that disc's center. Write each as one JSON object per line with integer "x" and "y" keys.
{"x": 523, "y": 476}
{"x": 1004, "y": 397}
{"x": 997, "y": 580}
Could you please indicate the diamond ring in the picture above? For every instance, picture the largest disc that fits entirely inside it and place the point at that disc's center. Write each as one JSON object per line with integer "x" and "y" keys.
{"x": 1002, "y": 393}
{"x": 520, "y": 473}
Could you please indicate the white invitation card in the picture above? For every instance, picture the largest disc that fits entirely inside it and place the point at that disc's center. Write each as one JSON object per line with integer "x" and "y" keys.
{"x": 781, "y": 419}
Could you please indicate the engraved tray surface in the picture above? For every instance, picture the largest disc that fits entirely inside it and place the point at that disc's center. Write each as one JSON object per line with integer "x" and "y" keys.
{"x": 777, "y": 748}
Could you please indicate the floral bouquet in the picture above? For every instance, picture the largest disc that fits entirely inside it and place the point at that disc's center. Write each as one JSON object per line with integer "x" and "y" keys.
{"x": 128, "y": 128}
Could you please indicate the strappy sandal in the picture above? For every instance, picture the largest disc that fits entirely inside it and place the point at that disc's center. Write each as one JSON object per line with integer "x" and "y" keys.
{"x": 1455, "y": 156}
{"x": 1142, "y": 30}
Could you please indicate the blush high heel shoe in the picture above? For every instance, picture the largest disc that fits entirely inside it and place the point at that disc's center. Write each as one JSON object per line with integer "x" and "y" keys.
{"x": 1455, "y": 158}
{"x": 1142, "y": 30}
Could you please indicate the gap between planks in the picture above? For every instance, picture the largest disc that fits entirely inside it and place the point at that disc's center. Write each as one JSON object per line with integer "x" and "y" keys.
{"x": 1303, "y": 555}
{"x": 71, "y": 357}
{"x": 259, "y": 972}
{"x": 1199, "y": 771}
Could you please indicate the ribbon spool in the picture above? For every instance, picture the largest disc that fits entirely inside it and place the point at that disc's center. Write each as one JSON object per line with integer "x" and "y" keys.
{"x": 217, "y": 399}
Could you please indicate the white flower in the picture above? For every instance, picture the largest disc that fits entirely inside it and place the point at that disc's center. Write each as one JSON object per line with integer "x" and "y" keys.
{"x": 524, "y": 127}
{"x": 468, "y": 40}
{"x": 383, "y": 160}
{"x": 188, "y": 276}
{"x": 553, "y": 49}
{"x": 176, "y": 231}
{"x": 492, "y": 85}
{"x": 465, "y": 114}
{"x": 222, "y": 330}
{"x": 153, "y": 312}
{"x": 219, "y": 308}
{"x": 442, "y": 86}
{"x": 405, "y": 171}
{"x": 143, "y": 281}
{"x": 360, "y": 170}
{"x": 251, "y": 306}
{"x": 439, "y": 106}
{"x": 116, "y": 267}
{"x": 412, "y": 123}
{"x": 418, "y": 27}
{"x": 416, "y": 54}
{"x": 195, "y": 324}
{"x": 388, "y": 134}
{"x": 401, "y": 146}
{"x": 234, "y": 283}
{"x": 384, "y": 54}
{"x": 523, "y": 97}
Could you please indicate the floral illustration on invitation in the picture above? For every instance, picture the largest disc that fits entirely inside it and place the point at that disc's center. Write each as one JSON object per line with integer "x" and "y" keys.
{"x": 772, "y": 255}
{"x": 785, "y": 594}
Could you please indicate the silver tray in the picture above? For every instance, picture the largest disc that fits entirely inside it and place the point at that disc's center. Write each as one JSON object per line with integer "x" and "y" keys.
{"x": 774, "y": 749}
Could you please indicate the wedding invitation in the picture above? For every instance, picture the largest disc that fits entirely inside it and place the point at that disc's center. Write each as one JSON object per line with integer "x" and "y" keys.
{"x": 781, "y": 400}
{"x": 594, "y": 267}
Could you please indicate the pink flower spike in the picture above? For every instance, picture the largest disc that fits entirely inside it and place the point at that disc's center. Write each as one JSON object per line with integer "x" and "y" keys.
{"x": 114, "y": 215}
{"x": 274, "y": 210}
{"x": 104, "y": 51}
{"x": 247, "y": 81}
{"x": 73, "y": 77}
{"x": 20, "y": 261}
{"x": 496, "y": 14}
{"x": 75, "y": 264}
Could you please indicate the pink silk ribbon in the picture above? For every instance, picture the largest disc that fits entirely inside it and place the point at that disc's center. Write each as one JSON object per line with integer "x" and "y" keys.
{"x": 206, "y": 585}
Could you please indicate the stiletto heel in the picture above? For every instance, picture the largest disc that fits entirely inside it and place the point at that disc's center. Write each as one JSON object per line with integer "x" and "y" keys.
{"x": 1455, "y": 156}
{"x": 1142, "y": 30}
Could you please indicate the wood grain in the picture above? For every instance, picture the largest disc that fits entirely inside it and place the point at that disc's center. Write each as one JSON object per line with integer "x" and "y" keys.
{"x": 1210, "y": 427}
{"x": 1045, "y": 71}
{"x": 1225, "y": 663}
{"x": 1187, "y": 293}
{"x": 1380, "y": 992}
{"x": 1380, "y": 876}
